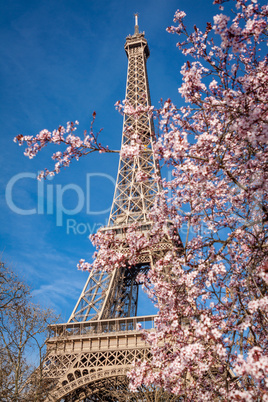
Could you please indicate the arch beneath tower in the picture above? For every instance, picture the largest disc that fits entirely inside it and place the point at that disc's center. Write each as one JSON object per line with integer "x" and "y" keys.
{"x": 106, "y": 384}
{"x": 113, "y": 386}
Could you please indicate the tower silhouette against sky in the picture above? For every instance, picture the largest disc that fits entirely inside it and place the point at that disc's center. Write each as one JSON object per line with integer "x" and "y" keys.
{"x": 88, "y": 357}
{"x": 116, "y": 295}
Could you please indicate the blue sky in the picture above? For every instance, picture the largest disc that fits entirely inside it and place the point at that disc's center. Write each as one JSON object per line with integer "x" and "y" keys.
{"x": 60, "y": 61}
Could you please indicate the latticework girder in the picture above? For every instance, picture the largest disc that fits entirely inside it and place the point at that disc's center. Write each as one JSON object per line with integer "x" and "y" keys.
{"x": 134, "y": 198}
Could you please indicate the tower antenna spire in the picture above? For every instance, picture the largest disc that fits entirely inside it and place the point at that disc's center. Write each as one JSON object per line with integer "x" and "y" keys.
{"x": 136, "y": 24}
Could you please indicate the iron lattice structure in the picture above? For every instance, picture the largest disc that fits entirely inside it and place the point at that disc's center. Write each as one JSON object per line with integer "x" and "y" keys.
{"x": 87, "y": 358}
{"x": 116, "y": 295}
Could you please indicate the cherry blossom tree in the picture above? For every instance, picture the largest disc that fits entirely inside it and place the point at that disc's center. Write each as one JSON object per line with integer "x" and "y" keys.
{"x": 211, "y": 337}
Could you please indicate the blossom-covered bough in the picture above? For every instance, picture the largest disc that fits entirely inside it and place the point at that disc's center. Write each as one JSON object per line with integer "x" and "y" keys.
{"x": 217, "y": 147}
{"x": 63, "y": 136}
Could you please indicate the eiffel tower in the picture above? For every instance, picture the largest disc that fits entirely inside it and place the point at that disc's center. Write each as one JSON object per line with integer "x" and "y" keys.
{"x": 89, "y": 356}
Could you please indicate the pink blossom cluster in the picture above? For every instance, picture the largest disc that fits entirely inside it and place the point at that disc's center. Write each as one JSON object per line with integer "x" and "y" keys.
{"x": 130, "y": 151}
{"x": 133, "y": 145}
{"x": 141, "y": 176}
{"x": 126, "y": 108}
{"x": 254, "y": 367}
{"x": 117, "y": 250}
